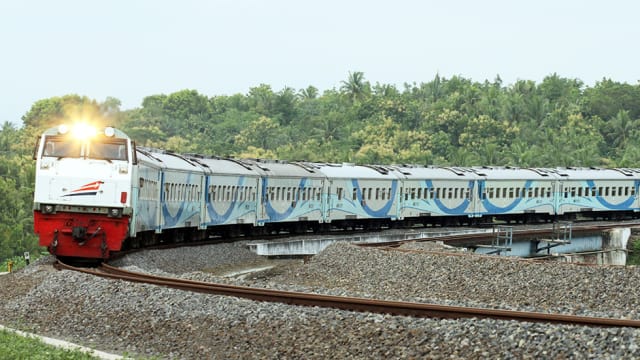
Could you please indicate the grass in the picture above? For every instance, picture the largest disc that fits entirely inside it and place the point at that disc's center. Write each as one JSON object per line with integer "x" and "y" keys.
{"x": 633, "y": 256}
{"x": 14, "y": 346}
{"x": 18, "y": 263}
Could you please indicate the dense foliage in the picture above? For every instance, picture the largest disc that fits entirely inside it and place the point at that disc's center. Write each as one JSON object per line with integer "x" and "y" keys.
{"x": 456, "y": 121}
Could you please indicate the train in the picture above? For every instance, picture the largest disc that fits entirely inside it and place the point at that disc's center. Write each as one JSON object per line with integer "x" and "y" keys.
{"x": 98, "y": 193}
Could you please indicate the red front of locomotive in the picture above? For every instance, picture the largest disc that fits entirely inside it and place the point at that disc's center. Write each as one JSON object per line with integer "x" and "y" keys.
{"x": 83, "y": 191}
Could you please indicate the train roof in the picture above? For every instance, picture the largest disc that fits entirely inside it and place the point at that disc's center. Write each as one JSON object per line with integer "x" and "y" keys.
{"x": 435, "y": 172}
{"x": 168, "y": 160}
{"x": 225, "y": 166}
{"x": 514, "y": 173}
{"x": 598, "y": 173}
{"x": 352, "y": 171}
{"x": 281, "y": 168}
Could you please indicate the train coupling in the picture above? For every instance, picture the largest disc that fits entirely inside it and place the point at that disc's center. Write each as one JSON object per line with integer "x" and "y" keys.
{"x": 79, "y": 234}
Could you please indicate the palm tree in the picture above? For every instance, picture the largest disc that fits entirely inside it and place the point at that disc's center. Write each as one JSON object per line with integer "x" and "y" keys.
{"x": 355, "y": 86}
{"x": 309, "y": 93}
{"x": 620, "y": 128}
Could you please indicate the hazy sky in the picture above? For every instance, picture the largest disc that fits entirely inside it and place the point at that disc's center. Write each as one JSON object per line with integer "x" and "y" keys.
{"x": 129, "y": 49}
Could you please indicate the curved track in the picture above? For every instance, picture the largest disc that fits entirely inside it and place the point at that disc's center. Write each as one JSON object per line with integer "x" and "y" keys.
{"x": 350, "y": 303}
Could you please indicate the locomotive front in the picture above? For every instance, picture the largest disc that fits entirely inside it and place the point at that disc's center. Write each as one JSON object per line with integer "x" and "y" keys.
{"x": 82, "y": 197}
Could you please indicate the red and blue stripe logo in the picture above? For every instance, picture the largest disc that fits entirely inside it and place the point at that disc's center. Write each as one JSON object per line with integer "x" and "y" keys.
{"x": 87, "y": 189}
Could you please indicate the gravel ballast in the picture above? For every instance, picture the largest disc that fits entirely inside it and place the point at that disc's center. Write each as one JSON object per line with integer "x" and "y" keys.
{"x": 144, "y": 320}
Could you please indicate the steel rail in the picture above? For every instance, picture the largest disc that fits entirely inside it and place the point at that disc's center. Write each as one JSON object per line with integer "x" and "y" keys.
{"x": 352, "y": 303}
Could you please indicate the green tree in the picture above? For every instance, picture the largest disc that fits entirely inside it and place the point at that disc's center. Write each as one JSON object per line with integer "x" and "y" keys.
{"x": 355, "y": 87}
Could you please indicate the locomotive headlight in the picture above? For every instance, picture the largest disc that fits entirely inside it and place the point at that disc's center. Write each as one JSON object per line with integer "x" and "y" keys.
{"x": 47, "y": 208}
{"x": 109, "y": 131}
{"x": 115, "y": 212}
{"x": 83, "y": 131}
{"x": 63, "y": 129}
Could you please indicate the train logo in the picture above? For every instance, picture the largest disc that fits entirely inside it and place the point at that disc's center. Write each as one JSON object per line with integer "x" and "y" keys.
{"x": 86, "y": 189}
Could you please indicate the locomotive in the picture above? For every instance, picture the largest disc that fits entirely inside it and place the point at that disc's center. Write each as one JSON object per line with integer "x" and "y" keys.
{"x": 97, "y": 193}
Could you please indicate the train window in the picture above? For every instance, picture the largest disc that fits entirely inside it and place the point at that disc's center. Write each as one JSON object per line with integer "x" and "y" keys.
{"x": 339, "y": 190}
{"x": 632, "y": 191}
{"x": 626, "y": 191}
{"x": 59, "y": 147}
{"x": 112, "y": 150}
{"x": 606, "y": 191}
{"x": 369, "y": 194}
{"x": 619, "y": 190}
{"x": 419, "y": 194}
{"x": 511, "y": 193}
{"x": 613, "y": 191}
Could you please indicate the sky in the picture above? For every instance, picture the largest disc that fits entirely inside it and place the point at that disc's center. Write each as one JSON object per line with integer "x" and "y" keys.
{"x": 130, "y": 49}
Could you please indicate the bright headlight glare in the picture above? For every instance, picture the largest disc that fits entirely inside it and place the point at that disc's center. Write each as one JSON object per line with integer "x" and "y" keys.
{"x": 83, "y": 131}
{"x": 63, "y": 129}
{"x": 109, "y": 131}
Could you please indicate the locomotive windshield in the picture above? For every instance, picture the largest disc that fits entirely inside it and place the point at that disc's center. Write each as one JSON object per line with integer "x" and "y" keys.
{"x": 101, "y": 148}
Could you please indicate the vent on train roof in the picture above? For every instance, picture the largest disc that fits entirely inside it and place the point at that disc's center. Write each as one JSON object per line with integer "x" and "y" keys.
{"x": 381, "y": 169}
{"x": 540, "y": 171}
{"x": 306, "y": 166}
{"x": 455, "y": 170}
{"x": 624, "y": 171}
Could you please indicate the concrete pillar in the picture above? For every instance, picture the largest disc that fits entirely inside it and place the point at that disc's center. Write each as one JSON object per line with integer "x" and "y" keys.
{"x": 614, "y": 246}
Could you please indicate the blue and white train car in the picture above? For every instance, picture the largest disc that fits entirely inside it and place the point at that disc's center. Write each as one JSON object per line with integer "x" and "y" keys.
{"x": 431, "y": 192}
{"x": 361, "y": 192}
{"x": 231, "y": 193}
{"x": 597, "y": 192}
{"x": 146, "y": 195}
{"x": 524, "y": 193}
{"x": 289, "y": 192}
{"x": 182, "y": 181}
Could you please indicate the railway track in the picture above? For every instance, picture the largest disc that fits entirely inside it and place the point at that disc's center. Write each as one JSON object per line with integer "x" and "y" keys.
{"x": 349, "y": 303}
